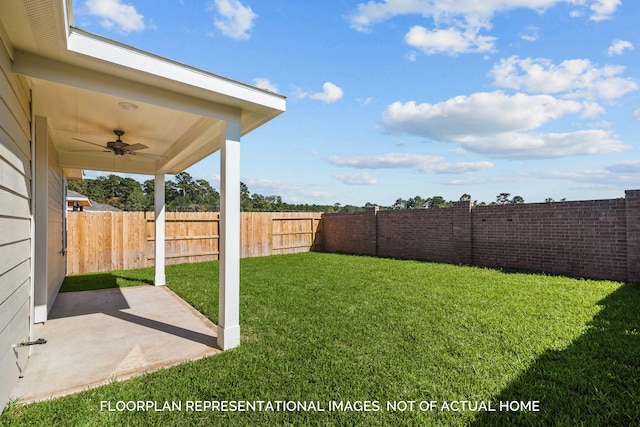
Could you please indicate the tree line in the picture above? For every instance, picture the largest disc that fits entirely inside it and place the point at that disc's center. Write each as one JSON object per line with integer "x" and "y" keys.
{"x": 185, "y": 194}
{"x": 418, "y": 202}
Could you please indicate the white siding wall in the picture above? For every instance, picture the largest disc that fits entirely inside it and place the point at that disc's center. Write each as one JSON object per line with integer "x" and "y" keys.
{"x": 56, "y": 259}
{"x": 15, "y": 225}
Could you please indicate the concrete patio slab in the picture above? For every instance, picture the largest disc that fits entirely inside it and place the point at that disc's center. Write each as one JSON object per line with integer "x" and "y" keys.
{"x": 94, "y": 337}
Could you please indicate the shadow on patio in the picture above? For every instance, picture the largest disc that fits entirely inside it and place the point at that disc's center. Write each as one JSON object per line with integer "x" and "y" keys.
{"x": 96, "y": 336}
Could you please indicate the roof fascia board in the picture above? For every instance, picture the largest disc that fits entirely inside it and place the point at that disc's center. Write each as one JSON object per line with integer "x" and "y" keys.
{"x": 42, "y": 68}
{"x": 94, "y": 46}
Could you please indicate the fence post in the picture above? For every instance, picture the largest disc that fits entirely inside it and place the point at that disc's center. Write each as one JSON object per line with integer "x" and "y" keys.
{"x": 632, "y": 200}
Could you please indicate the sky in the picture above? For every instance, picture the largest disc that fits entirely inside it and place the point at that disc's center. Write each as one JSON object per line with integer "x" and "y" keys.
{"x": 391, "y": 99}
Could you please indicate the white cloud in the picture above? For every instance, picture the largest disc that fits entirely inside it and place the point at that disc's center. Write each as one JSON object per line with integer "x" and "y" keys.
{"x": 235, "y": 20}
{"x": 518, "y": 145}
{"x": 531, "y": 34}
{"x": 371, "y": 13}
{"x": 384, "y": 161}
{"x": 451, "y": 41}
{"x": 603, "y": 9}
{"x": 618, "y": 47}
{"x": 636, "y": 114}
{"x": 123, "y": 17}
{"x": 330, "y": 93}
{"x": 577, "y": 78}
{"x": 620, "y": 175}
{"x": 484, "y": 113}
{"x": 213, "y": 179}
{"x": 366, "y": 101}
{"x": 457, "y": 168}
{"x": 500, "y": 125}
{"x": 457, "y": 22}
{"x": 422, "y": 163}
{"x": 269, "y": 186}
{"x": 591, "y": 110}
{"x": 356, "y": 179}
{"x": 264, "y": 83}
{"x": 292, "y": 193}
{"x": 298, "y": 93}
{"x": 631, "y": 166}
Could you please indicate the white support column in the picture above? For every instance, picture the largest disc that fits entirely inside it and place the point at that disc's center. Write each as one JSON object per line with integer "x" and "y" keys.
{"x": 159, "y": 229}
{"x": 229, "y": 304}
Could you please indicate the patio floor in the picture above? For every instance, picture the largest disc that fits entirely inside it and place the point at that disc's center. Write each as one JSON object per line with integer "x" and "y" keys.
{"x": 94, "y": 337}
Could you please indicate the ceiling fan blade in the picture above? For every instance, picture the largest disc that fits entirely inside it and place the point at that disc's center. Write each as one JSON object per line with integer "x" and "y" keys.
{"x": 149, "y": 156}
{"x": 135, "y": 147}
{"x": 89, "y": 142}
{"x": 89, "y": 151}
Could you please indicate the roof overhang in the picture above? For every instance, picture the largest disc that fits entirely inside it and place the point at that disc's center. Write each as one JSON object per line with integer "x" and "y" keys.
{"x": 77, "y": 200}
{"x": 88, "y": 86}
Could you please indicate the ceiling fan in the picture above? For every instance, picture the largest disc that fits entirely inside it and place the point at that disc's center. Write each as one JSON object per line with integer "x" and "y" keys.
{"x": 119, "y": 147}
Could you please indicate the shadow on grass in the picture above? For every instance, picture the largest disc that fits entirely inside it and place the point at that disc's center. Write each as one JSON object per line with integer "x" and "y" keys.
{"x": 594, "y": 381}
{"x": 95, "y": 281}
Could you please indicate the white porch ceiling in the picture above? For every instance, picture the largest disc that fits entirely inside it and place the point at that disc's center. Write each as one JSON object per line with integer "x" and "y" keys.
{"x": 79, "y": 82}
{"x": 77, "y": 114}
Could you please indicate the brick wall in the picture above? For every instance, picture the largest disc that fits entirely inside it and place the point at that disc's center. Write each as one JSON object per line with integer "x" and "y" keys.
{"x": 353, "y": 233}
{"x": 597, "y": 238}
{"x": 430, "y": 234}
{"x": 576, "y": 238}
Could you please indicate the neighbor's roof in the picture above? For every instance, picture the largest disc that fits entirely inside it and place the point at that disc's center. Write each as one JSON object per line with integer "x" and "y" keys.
{"x": 75, "y": 197}
{"x": 88, "y": 204}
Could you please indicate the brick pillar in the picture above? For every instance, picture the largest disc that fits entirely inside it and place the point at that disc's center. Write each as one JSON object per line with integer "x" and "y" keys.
{"x": 462, "y": 232}
{"x": 632, "y": 199}
{"x": 372, "y": 235}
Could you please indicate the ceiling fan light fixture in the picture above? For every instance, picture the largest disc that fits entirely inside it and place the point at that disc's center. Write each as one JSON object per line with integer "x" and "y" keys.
{"x": 128, "y": 106}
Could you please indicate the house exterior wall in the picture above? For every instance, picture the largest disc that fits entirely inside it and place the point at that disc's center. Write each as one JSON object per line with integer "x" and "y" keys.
{"x": 56, "y": 213}
{"x": 15, "y": 224}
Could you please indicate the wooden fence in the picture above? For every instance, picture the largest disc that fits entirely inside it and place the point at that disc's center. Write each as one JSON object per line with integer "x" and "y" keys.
{"x": 104, "y": 241}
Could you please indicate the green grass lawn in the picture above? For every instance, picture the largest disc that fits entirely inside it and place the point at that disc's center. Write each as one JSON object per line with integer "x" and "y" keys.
{"x": 324, "y": 327}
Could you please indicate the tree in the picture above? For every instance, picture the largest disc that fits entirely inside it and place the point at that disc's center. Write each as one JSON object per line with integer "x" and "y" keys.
{"x": 503, "y": 199}
{"x": 185, "y": 185}
{"x": 208, "y": 198}
{"x": 550, "y": 200}
{"x": 465, "y": 197}
{"x": 416, "y": 203}
{"x": 245, "y": 198}
{"x": 399, "y": 204}
{"x": 437, "y": 202}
